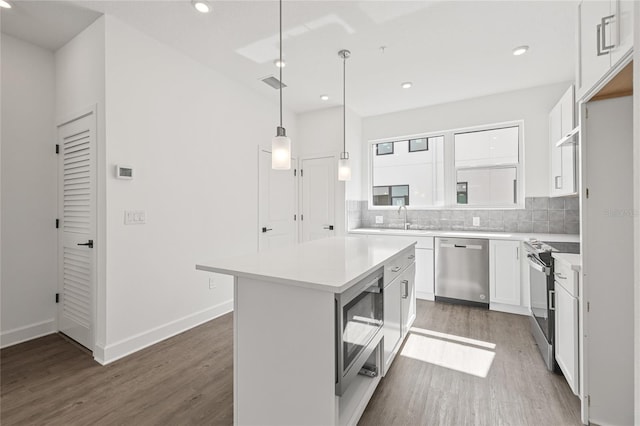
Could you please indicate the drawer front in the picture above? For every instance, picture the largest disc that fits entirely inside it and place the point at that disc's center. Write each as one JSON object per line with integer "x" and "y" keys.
{"x": 565, "y": 276}
{"x": 394, "y": 267}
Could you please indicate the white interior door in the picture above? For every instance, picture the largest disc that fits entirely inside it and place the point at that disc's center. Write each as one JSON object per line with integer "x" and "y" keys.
{"x": 608, "y": 258}
{"x": 318, "y": 176}
{"x": 277, "y": 204}
{"x": 77, "y": 214}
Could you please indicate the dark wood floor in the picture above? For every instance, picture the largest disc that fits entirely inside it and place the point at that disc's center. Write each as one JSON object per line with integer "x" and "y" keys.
{"x": 188, "y": 380}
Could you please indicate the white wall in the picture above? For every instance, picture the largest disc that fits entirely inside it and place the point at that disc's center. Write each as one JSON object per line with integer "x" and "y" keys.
{"x": 80, "y": 84}
{"x": 531, "y": 105}
{"x": 192, "y": 137}
{"x": 320, "y": 133}
{"x": 29, "y": 271}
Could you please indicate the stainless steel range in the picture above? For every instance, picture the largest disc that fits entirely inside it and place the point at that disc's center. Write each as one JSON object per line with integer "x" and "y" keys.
{"x": 541, "y": 284}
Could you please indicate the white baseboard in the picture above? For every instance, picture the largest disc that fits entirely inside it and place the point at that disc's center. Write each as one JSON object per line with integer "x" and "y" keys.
{"x": 425, "y": 296}
{"x": 115, "y": 351}
{"x": 28, "y": 332}
{"x": 511, "y": 309}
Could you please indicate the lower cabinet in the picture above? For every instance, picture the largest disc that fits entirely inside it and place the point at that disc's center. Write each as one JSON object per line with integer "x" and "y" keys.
{"x": 392, "y": 297}
{"x": 567, "y": 334}
{"x": 399, "y": 312}
{"x": 504, "y": 275}
{"x": 424, "y": 273}
{"x": 408, "y": 297}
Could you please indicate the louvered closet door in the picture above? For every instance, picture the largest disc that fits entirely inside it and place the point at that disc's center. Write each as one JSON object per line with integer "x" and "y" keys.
{"x": 77, "y": 214}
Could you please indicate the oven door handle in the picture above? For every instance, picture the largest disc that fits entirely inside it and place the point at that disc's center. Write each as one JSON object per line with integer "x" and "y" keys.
{"x": 535, "y": 264}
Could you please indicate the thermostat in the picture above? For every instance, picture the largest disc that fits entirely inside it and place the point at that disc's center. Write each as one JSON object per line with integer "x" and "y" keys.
{"x": 124, "y": 172}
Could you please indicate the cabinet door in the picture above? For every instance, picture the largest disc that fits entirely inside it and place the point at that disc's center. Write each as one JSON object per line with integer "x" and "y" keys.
{"x": 592, "y": 66}
{"x": 567, "y": 152}
{"x": 555, "y": 134}
{"x": 424, "y": 274}
{"x": 392, "y": 321}
{"x": 408, "y": 294}
{"x": 566, "y": 343}
{"x": 504, "y": 272}
{"x": 622, "y": 29}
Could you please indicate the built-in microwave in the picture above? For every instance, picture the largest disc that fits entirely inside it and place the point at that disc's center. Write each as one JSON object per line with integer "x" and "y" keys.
{"x": 359, "y": 320}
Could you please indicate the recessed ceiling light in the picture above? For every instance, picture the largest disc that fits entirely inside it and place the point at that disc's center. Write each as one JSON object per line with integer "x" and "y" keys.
{"x": 324, "y": 97}
{"x": 201, "y": 6}
{"x": 5, "y": 4}
{"x": 520, "y": 50}
{"x": 280, "y": 63}
{"x": 406, "y": 85}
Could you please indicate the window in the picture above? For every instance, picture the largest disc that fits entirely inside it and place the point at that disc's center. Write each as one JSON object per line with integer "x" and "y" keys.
{"x": 420, "y": 174}
{"x": 476, "y": 168}
{"x": 486, "y": 164}
{"x": 416, "y": 145}
{"x": 396, "y": 195}
{"x": 384, "y": 148}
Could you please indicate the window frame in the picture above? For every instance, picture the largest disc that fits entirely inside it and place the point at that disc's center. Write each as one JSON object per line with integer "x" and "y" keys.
{"x": 393, "y": 148}
{"x": 450, "y": 171}
{"x": 418, "y": 150}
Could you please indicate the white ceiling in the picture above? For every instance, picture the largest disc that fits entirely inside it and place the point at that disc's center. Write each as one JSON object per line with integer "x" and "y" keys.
{"x": 450, "y": 50}
{"x": 49, "y": 24}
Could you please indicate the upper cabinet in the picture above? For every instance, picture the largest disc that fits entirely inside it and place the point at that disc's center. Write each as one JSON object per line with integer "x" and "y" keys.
{"x": 562, "y": 158}
{"x": 605, "y": 37}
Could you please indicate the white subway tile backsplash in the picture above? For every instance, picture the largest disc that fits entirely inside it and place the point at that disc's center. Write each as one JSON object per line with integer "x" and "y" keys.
{"x": 541, "y": 214}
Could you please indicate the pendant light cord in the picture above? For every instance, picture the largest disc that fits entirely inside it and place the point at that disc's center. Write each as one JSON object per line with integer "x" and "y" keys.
{"x": 281, "y": 64}
{"x": 344, "y": 103}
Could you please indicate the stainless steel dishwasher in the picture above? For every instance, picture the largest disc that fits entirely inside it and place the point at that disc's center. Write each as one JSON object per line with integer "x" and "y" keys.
{"x": 462, "y": 271}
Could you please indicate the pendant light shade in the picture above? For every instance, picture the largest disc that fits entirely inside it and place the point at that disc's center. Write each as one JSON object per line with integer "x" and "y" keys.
{"x": 281, "y": 151}
{"x": 281, "y": 144}
{"x": 344, "y": 165}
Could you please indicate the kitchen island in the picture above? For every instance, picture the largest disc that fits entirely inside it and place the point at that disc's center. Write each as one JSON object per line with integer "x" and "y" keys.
{"x": 286, "y": 336}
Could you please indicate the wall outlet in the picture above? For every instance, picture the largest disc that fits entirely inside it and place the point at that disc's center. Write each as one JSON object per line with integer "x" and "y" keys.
{"x": 476, "y": 221}
{"x": 379, "y": 219}
{"x": 135, "y": 217}
{"x": 212, "y": 284}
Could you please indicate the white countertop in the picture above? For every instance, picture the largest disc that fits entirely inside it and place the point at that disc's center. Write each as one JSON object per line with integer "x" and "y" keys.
{"x": 572, "y": 259}
{"x": 515, "y": 236}
{"x": 331, "y": 264}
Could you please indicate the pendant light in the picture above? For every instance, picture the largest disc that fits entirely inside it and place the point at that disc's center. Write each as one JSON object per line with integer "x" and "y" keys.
{"x": 281, "y": 144}
{"x": 344, "y": 166}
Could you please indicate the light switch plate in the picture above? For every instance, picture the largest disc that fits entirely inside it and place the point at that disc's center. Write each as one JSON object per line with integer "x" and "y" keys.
{"x": 379, "y": 219}
{"x": 135, "y": 217}
{"x": 476, "y": 221}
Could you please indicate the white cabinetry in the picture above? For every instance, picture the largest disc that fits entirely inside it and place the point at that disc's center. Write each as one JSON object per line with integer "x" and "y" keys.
{"x": 605, "y": 37}
{"x": 392, "y": 321}
{"x": 504, "y": 276}
{"x": 424, "y": 272}
{"x": 408, "y": 295}
{"x": 566, "y": 326}
{"x": 563, "y": 158}
{"x": 399, "y": 298}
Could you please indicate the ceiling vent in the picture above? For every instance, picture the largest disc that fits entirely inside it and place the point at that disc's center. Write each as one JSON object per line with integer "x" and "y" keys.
{"x": 273, "y": 82}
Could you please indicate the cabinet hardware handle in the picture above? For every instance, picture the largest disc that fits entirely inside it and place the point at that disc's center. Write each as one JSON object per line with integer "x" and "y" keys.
{"x": 602, "y": 47}
{"x": 406, "y": 289}
{"x": 396, "y": 269}
{"x": 411, "y": 257}
{"x": 552, "y": 298}
{"x": 559, "y": 275}
{"x": 558, "y": 185}
{"x": 88, "y": 244}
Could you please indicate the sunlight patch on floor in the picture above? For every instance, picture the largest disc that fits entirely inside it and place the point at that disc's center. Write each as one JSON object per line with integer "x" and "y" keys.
{"x": 455, "y": 356}
{"x": 453, "y": 337}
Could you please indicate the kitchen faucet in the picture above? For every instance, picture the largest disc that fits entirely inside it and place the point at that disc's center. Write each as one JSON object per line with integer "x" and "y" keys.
{"x": 406, "y": 224}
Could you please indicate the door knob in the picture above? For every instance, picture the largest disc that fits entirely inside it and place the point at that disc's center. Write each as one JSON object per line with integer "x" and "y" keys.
{"x": 265, "y": 229}
{"x": 330, "y": 227}
{"x": 88, "y": 244}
